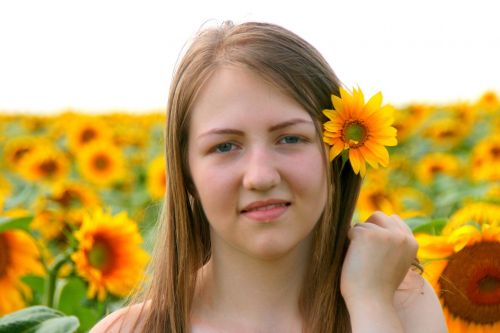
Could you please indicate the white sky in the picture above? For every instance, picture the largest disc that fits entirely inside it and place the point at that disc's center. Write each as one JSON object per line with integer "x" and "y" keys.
{"x": 103, "y": 55}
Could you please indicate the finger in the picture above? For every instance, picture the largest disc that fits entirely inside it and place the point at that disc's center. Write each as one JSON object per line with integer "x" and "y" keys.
{"x": 402, "y": 224}
{"x": 383, "y": 220}
{"x": 407, "y": 232}
{"x": 362, "y": 227}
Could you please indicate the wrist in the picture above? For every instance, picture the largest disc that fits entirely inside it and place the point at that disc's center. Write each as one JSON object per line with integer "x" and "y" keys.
{"x": 373, "y": 296}
{"x": 363, "y": 302}
{"x": 373, "y": 314}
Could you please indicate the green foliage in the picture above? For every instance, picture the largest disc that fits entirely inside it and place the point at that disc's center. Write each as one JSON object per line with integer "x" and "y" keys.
{"x": 10, "y": 223}
{"x": 70, "y": 299}
{"x": 426, "y": 225}
{"x": 38, "y": 319}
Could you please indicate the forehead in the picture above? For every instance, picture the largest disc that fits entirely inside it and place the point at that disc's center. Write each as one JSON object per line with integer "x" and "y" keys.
{"x": 237, "y": 95}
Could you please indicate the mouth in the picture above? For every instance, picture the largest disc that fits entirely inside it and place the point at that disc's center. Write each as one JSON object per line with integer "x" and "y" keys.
{"x": 265, "y": 205}
{"x": 265, "y": 211}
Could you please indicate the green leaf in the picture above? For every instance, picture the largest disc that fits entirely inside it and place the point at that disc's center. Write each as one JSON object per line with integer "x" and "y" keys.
{"x": 72, "y": 300}
{"x": 37, "y": 285}
{"x": 9, "y": 223}
{"x": 67, "y": 324}
{"x": 38, "y": 319}
{"x": 427, "y": 225}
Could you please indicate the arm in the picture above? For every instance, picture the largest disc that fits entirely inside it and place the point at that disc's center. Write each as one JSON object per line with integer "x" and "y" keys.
{"x": 419, "y": 309}
{"x": 373, "y": 315}
{"x": 380, "y": 292}
{"x": 413, "y": 310}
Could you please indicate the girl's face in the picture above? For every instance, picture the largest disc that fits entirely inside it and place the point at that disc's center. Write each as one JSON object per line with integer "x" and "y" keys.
{"x": 257, "y": 165}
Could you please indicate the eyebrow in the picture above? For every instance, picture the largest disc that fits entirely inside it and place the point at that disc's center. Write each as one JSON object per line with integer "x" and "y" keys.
{"x": 273, "y": 128}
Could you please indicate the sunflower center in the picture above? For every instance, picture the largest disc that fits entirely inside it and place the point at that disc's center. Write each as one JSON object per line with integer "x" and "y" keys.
{"x": 4, "y": 255}
{"x": 449, "y": 133}
{"x": 489, "y": 284}
{"x": 436, "y": 169}
{"x": 470, "y": 283}
{"x": 101, "y": 162}
{"x": 18, "y": 154}
{"x": 489, "y": 98}
{"x": 354, "y": 133}
{"x": 87, "y": 135}
{"x": 378, "y": 199}
{"x": 48, "y": 167}
{"x": 69, "y": 198}
{"x": 100, "y": 255}
{"x": 495, "y": 152}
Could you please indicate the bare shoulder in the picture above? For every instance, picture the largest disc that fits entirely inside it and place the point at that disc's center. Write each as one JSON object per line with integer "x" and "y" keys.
{"x": 418, "y": 306}
{"x": 122, "y": 320}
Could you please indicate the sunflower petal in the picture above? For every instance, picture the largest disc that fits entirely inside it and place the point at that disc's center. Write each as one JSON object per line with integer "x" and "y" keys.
{"x": 335, "y": 150}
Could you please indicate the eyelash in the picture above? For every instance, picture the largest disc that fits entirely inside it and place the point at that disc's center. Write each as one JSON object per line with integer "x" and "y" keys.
{"x": 216, "y": 148}
{"x": 298, "y": 139}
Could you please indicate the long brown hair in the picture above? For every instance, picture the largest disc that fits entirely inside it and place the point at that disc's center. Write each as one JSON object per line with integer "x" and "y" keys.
{"x": 183, "y": 242}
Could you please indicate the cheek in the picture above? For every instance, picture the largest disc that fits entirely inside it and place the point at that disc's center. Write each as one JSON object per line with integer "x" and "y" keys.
{"x": 311, "y": 181}
{"x": 213, "y": 185}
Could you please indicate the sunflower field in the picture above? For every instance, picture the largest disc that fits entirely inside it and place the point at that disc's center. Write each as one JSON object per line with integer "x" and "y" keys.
{"x": 80, "y": 194}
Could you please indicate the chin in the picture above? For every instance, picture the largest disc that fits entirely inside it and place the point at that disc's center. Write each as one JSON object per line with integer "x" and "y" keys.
{"x": 272, "y": 250}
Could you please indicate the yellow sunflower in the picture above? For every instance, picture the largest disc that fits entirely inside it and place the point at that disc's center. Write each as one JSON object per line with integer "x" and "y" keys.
{"x": 156, "y": 178}
{"x": 102, "y": 163}
{"x": 51, "y": 224}
{"x": 447, "y": 132}
{"x": 72, "y": 200}
{"x": 407, "y": 202}
{"x": 412, "y": 203}
{"x": 5, "y": 190}
{"x": 72, "y": 194}
{"x": 376, "y": 197}
{"x": 362, "y": 129}
{"x": 493, "y": 192}
{"x": 486, "y": 159}
{"x": 17, "y": 148}
{"x": 408, "y": 119}
{"x": 436, "y": 163}
{"x": 44, "y": 164}
{"x": 18, "y": 256}
{"x": 129, "y": 130}
{"x": 35, "y": 123}
{"x": 462, "y": 265}
{"x": 109, "y": 256}
{"x": 489, "y": 102}
{"x": 476, "y": 212}
{"x": 463, "y": 112}
{"x": 86, "y": 129}
{"x": 5, "y": 186}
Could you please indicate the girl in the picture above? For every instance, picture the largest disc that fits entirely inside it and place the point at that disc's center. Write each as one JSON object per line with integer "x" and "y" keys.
{"x": 255, "y": 234}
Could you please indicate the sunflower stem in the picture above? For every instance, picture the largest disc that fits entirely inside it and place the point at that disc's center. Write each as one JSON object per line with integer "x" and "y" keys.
{"x": 50, "y": 282}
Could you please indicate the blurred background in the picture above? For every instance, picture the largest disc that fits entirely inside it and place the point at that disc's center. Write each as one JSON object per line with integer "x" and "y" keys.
{"x": 83, "y": 92}
{"x": 102, "y": 55}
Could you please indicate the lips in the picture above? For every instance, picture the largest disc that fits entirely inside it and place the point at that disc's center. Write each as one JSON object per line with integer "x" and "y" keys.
{"x": 265, "y": 211}
{"x": 265, "y": 205}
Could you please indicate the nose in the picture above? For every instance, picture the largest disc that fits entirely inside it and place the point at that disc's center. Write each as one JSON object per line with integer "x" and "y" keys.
{"x": 261, "y": 173}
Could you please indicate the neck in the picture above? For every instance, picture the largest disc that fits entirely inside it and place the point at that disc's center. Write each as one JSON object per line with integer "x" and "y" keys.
{"x": 262, "y": 294}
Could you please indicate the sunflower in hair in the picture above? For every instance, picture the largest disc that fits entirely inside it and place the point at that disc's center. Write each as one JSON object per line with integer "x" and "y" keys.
{"x": 361, "y": 130}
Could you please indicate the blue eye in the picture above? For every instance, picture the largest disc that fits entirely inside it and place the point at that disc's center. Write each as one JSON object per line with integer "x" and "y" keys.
{"x": 290, "y": 139}
{"x": 224, "y": 147}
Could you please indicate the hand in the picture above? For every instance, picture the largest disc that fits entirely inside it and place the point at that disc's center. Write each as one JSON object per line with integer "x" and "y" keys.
{"x": 378, "y": 258}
